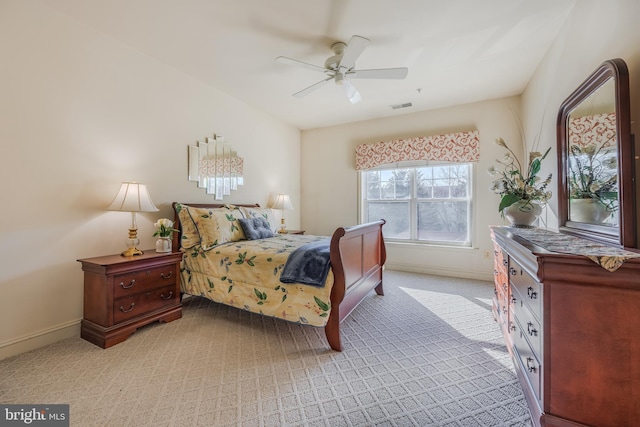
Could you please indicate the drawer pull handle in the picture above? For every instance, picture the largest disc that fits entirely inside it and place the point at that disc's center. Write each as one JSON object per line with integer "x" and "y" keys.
{"x": 531, "y": 366}
{"x": 505, "y": 262}
{"x": 130, "y": 308}
{"x": 168, "y": 296}
{"x": 123, "y": 286}
{"x": 513, "y": 327}
{"x": 531, "y": 293}
{"x": 512, "y": 271}
{"x": 514, "y": 300}
{"x": 532, "y": 331}
{"x": 169, "y": 276}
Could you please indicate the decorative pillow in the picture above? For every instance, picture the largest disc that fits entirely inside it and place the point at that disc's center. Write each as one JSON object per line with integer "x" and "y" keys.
{"x": 190, "y": 236}
{"x": 217, "y": 226}
{"x": 256, "y": 228}
{"x": 265, "y": 213}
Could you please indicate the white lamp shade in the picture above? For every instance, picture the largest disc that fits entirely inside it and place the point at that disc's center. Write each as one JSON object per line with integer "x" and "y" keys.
{"x": 133, "y": 197}
{"x": 283, "y": 202}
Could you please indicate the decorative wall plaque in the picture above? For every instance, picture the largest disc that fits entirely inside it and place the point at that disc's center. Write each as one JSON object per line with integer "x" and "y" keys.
{"x": 215, "y": 166}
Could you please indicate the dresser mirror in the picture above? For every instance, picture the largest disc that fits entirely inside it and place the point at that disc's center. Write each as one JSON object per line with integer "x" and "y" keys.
{"x": 595, "y": 159}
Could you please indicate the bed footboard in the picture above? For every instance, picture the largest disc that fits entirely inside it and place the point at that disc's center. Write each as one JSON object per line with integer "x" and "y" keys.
{"x": 358, "y": 255}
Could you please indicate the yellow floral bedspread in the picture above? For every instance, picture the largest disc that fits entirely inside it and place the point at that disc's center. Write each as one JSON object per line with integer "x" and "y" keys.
{"x": 246, "y": 275}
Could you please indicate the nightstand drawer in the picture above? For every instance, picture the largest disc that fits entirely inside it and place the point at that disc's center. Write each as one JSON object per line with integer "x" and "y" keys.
{"x": 134, "y": 306}
{"x": 143, "y": 280}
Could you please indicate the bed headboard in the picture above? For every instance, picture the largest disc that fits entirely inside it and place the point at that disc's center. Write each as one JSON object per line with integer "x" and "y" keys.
{"x": 177, "y": 237}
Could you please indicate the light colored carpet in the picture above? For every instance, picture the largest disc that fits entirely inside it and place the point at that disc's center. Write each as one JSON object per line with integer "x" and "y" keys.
{"x": 428, "y": 353}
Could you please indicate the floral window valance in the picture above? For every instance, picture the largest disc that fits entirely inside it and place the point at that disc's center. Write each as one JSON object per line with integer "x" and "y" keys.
{"x": 598, "y": 129}
{"x": 460, "y": 147}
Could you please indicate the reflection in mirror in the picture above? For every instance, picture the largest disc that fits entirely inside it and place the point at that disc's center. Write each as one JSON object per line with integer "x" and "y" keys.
{"x": 595, "y": 159}
{"x": 215, "y": 166}
{"x": 593, "y": 174}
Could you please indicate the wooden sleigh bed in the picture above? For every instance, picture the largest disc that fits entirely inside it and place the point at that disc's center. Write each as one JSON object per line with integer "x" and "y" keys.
{"x": 357, "y": 256}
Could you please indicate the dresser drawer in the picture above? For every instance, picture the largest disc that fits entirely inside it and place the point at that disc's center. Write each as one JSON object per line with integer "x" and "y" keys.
{"x": 530, "y": 365}
{"x": 136, "y": 305}
{"x": 531, "y": 328}
{"x": 501, "y": 281}
{"x": 500, "y": 257}
{"x": 528, "y": 287}
{"x": 143, "y": 280}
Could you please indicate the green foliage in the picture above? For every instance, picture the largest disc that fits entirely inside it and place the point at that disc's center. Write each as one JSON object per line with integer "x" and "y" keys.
{"x": 242, "y": 258}
{"x": 323, "y": 305}
{"x": 262, "y": 296}
{"x": 514, "y": 185}
{"x": 593, "y": 174}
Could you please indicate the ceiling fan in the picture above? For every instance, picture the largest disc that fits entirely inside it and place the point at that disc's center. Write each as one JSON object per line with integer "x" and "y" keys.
{"x": 340, "y": 68}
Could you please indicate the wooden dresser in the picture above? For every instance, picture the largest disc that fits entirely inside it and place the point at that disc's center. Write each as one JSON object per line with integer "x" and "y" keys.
{"x": 122, "y": 294}
{"x": 573, "y": 331}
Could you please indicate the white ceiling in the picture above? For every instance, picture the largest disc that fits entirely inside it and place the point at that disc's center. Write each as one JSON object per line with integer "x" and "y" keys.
{"x": 457, "y": 51}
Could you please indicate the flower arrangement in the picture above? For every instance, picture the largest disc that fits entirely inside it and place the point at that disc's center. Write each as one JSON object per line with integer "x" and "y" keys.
{"x": 164, "y": 227}
{"x": 593, "y": 174}
{"x": 514, "y": 185}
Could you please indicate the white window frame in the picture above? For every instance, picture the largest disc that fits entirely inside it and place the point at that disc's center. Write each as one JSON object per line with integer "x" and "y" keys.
{"x": 413, "y": 201}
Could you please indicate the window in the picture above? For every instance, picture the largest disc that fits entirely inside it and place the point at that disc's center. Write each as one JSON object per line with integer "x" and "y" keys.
{"x": 429, "y": 204}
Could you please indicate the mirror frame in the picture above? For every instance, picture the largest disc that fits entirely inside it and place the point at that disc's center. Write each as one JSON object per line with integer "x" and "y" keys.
{"x": 625, "y": 235}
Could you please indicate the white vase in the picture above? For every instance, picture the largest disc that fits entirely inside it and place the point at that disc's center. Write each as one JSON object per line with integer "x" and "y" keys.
{"x": 163, "y": 244}
{"x": 523, "y": 213}
{"x": 588, "y": 210}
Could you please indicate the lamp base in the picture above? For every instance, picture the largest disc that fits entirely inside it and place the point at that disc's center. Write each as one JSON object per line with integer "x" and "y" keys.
{"x": 283, "y": 227}
{"x": 132, "y": 252}
{"x": 132, "y": 242}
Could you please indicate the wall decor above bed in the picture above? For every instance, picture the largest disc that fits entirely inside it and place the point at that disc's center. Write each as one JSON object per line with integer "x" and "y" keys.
{"x": 215, "y": 166}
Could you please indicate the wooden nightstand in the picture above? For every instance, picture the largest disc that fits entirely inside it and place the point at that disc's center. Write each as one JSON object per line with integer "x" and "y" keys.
{"x": 122, "y": 294}
{"x": 295, "y": 231}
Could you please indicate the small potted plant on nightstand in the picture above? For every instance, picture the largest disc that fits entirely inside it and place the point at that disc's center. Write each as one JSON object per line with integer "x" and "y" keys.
{"x": 164, "y": 230}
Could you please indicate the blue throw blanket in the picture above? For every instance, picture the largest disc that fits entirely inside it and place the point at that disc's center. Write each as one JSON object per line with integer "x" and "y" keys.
{"x": 309, "y": 264}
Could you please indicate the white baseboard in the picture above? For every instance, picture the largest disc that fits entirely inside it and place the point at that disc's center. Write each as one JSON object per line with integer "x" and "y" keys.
{"x": 437, "y": 271}
{"x": 39, "y": 339}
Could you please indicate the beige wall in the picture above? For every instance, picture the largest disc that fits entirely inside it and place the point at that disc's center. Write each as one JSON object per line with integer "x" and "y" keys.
{"x": 330, "y": 181}
{"x": 596, "y": 31}
{"x": 79, "y": 113}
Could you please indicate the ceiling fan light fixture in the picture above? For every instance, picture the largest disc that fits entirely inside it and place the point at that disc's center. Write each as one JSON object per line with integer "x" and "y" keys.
{"x": 352, "y": 94}
{"x": 341, "y": 68}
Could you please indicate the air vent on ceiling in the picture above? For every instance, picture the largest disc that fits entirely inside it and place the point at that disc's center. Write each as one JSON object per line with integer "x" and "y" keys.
{"x": 398, "y": 106}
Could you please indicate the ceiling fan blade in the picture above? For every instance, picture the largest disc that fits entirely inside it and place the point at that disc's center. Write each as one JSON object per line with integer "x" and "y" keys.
{"x": 354, "y": 49}
{"x": 296, "y": 63}
{"x": 311, "y": 88}
{"x": 351, "y": 92}
{"x": 383, "y": 73}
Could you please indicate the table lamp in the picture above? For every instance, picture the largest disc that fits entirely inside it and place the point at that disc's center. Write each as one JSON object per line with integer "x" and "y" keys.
{"x": 133, "y": 197}
{"x": 283, "y": 202}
